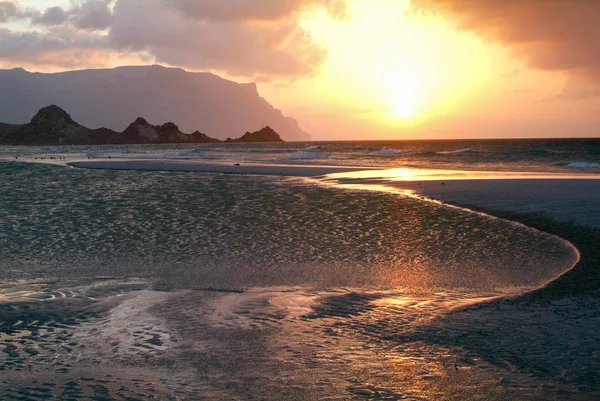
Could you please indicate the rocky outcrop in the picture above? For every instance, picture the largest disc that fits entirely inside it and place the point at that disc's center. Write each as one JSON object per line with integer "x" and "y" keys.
{"x": 199, "y": 137}
{"x": 102, "y": 136}
{"x": 112, "y": 98}
{"x": 141, "y": 131}
{"x": 5, "y": 128}
{"x": 267, "y": 134}
{"x": 50, "y": 126}
{"x": 54, "y": 126}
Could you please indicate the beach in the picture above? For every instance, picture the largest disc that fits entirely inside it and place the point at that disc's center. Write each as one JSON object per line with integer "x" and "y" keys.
{"x": 551, "y": 326}
{"x": 299, "y": 200}
{"x": 270, "y": 280}
{"x": 285, "y": 170}
{"x": 560, "y": 312}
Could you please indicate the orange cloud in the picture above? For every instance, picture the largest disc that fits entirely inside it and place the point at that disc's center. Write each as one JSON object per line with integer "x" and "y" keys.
{"x": 551, "y": 34}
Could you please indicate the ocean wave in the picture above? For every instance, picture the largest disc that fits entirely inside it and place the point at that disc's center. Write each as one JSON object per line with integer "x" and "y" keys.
{"x": 302, "y": 155}
{"x": 94, "y": 154}
{"x": 191, "y": 153}
{"x": 242, "y": 148}
{"x": 388, "y": 152}
{"x": 584, "y": 165}
{"x": 455, "y": 152}
{"x": 311, "y": 147}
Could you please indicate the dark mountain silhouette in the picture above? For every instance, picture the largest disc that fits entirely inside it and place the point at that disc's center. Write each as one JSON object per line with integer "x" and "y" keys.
{"x": 50, "y": 126}
{"x": 199, "y": 137}
{"x": 4, "y": 128}
{"x": 267, "y": 134}
{"x": 54, "y": 126}
{"x": 141, "y": 131}
{"x": 114, "y": 97}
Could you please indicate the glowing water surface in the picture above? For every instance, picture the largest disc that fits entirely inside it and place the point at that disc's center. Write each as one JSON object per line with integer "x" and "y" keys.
{"x": 226, "y": 286}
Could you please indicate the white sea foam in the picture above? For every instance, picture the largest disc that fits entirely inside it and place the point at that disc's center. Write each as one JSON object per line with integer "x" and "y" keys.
{"x": 302, "y": 155}
{"x": 584, "y": 165}
{"x": 92, "y": 154}
{"x": 388, "y": 151}
{"x": 311, "y": 147}
{"x": 455, "y": 152}
{"x": 190, "y": 153}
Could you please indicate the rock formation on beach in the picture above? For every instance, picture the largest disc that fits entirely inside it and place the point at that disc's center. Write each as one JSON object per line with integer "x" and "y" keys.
{"x": 54, "y": 126}
{"x": 50, "y": 126}
{"x": 199, "y": 137}
{"x": 267, "y": 134}
{"x": 112, "y": 98}
{"x": 141, "y": 131}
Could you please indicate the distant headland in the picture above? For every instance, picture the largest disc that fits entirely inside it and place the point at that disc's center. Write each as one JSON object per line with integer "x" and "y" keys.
{"x": 54, "y": 126}
{"x": 115, "y": 97}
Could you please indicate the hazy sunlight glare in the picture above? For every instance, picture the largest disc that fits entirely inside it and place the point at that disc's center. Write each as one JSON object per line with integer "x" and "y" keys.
{"x": 403, "y": 93}
{"x": 391, "y": 63}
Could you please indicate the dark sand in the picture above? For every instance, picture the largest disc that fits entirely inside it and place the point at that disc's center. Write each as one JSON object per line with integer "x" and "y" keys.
{"x": 287, "y": 344}
{"x": 550, "y": 333}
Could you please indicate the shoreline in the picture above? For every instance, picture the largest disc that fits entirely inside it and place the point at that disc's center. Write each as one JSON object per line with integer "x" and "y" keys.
{"x": 547, "y": 333}
{"x": 567, "y": 207}
{"x": 288, "y": 170}
{"x": 544, "y": 337}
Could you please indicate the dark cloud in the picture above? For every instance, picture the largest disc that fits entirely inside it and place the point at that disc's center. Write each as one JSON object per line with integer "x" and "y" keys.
{"x": 10, "y": 10}
{"x": 253, "y": 38}
{"x": 93, "y": 15}
{"x": 550, "y": 34}
{"x": 16, "y": 44}
{"x": 28, "y": 45}
{"x": 270, "y": 47}
{"x": 253, "y": 10}
{"x": 52, "y": 16}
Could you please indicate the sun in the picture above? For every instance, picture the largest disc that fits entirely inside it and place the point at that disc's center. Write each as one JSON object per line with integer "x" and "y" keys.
{"x": 403, "y": 95}
{"x": 405, "y": 105}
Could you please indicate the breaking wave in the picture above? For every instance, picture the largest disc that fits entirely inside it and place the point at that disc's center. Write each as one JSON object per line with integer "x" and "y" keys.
{"x": 584, "y": 165}
{"x": 303, "y": 155}
{"x": 455, "y": 152}
{"x": 391, "y": 152}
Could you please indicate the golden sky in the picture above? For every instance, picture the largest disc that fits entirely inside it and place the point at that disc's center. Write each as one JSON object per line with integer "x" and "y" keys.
{"x": 353, "y": 69}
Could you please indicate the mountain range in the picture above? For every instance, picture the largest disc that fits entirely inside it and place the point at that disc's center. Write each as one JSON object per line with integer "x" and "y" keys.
{"x": 112, "y": 98}
{"x": 54, "y": 126}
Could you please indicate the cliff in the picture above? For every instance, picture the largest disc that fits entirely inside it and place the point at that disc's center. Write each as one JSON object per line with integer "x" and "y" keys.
{"x": 112, "y": 98}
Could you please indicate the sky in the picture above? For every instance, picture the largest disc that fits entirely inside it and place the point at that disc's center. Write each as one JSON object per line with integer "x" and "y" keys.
{"x": 347, "y": 69}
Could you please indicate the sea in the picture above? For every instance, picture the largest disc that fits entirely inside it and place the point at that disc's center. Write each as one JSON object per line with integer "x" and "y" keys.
{"x": 166, "y": 285}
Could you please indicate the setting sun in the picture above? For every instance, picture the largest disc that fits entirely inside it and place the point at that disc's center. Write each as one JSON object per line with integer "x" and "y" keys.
{"x": 394, "y": 67}
{"x": 404, "y": 96}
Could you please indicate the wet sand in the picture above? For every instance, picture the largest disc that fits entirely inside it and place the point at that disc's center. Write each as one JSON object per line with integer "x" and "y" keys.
{"x": 568, "y": 208}
{"x": 569, "y": 200}
{"x": 290, "y": 343}
{"x": 548, "y": 333}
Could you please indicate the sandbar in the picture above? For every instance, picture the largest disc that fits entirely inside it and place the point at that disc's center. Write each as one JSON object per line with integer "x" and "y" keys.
{"x": 565, "y": 197}
{"x": 290, "y": 170}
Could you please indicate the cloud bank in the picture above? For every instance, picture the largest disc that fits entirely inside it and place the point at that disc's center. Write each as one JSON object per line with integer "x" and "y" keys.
{"x": 253, "y": 38}
{"x": 560, "y": 35}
